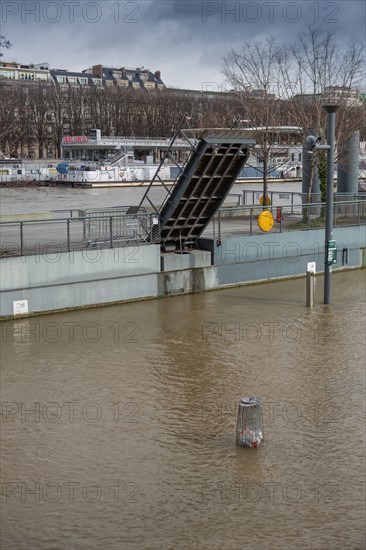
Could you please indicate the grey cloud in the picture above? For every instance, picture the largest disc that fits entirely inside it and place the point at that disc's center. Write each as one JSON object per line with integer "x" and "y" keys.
{"x": 185, "y": 39}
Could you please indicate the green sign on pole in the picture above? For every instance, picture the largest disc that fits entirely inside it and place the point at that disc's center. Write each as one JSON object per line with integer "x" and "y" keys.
{"x": 331, "y": 253}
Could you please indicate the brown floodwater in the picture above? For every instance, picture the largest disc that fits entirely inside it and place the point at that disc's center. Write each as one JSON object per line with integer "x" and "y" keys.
{"x": 118, "y": 423}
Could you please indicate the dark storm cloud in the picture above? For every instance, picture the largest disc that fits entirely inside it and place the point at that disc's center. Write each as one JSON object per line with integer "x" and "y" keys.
{"x": 185, "y": 39}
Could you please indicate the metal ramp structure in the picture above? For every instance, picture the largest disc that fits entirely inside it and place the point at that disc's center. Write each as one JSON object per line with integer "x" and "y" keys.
{"x": 121, "y": 155}
{"x": 216, "y": 159}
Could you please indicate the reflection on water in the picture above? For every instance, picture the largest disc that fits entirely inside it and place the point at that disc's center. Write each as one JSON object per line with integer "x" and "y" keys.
{"x": 118, "y": 425}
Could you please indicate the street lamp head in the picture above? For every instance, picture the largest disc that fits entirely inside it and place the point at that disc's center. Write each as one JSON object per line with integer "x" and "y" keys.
{"x": 331, "y": 107}
{"x": 312, "y": 141}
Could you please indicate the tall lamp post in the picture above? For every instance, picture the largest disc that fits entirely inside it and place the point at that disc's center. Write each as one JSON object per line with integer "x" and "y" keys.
{"x": 330, "y": 250}
{"x": 330, "y": 247}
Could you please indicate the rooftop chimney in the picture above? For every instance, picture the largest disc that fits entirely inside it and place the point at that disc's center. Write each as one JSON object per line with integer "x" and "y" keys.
{"x": 98, "y": 70}
{"x": 158, "y": 75}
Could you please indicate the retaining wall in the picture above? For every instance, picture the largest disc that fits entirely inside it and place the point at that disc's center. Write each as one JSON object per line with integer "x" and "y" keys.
{"x": 89, "y": 278}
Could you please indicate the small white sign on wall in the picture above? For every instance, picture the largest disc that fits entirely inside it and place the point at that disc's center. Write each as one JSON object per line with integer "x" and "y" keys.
{"x": 311, "y": 266}
{"x": 20, "y": 307}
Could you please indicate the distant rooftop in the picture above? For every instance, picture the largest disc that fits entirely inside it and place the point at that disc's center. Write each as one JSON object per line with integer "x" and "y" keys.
{"x": 138, "y": 77}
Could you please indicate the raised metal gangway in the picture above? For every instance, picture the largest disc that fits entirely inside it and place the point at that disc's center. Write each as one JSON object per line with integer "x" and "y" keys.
{"x": 121, "y": 157}
{"x": 204, "y": 181}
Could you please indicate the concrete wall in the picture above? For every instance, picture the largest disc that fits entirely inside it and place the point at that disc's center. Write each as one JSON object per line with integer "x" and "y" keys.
{"x": 275, "y": 255}
{"x": 185, "y": 281}
{"x": 96, "y": 277}
{"x": 77, "y": 279}
{"x": 196, "y": 258}
{"x": 22, "y": 216}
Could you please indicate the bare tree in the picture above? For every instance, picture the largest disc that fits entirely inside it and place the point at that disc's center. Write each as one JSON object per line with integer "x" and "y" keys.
{"x": 4, "y": 43}
{"x": 280, "y": 84}
{"x": 59, "y": 116}
{"x": 252, "y": 74}
{"x": 39, "y": 107}
{"x": 316, "y": 70}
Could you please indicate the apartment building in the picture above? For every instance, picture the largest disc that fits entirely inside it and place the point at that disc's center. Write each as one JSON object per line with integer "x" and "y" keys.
{"x": 139, "y": 78}
{"x": 351, "y": 97}
{"x": 11, "y": 71}
{"x": 98, "y": 75}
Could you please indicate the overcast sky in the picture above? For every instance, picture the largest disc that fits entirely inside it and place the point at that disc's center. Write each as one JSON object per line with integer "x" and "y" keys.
{"x": 185, "y": 39}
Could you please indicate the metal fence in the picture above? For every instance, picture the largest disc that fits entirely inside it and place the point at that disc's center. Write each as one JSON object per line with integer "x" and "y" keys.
{"x": 121, "y": 227}
{"x": 277, "y": 198}
{"x": 108, "y": 230}
{"x": 303, "y": 217}
{"x": 284, "y": 198}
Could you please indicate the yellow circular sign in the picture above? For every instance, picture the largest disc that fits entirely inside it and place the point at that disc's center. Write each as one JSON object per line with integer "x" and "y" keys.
{"x": 265, "y": 220}
{"x": 262, "y": 199}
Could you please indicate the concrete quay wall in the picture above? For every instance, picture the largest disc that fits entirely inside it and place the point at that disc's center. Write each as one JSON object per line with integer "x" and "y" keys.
{"x": 278, "y": 255}
{"x": 32, "y": 285}
{"x": 85, "y": 278}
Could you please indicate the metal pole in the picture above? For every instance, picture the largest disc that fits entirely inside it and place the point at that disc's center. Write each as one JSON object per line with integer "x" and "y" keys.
{"x": 331, "y": 110}
{"x": 347, "y": 180}
{"x": 68, "y": 234}
{"x": 309, "y": 289}
{"x": 21, "y": 239}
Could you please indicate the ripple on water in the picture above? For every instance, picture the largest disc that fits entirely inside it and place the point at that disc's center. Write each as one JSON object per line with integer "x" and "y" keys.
{"x": 168, "y": 400}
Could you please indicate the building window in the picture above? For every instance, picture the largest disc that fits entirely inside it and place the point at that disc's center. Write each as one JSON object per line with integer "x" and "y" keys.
{"x": 7, "y": 74}
{"x": 61, "y": 79}
{"x": 26, "y": 76}
{"x": 82, "y": 81}
{"x": 299, "y": 157}
{"x": 71, "y": 80}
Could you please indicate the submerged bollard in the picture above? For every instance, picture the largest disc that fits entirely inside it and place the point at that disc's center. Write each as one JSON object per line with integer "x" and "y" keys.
{"x": 309, "y": 289}
{"x": 249, "y": 424}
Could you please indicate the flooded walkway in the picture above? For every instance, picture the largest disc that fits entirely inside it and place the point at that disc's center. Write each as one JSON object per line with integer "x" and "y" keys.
{"x": 118, "y": 424}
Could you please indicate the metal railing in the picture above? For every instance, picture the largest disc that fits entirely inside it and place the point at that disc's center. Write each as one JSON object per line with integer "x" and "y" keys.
{"x": 53, "y": 236}
{"x": 118, "y": 227}
{"x": 277, "y": 198}
{"x": 241, "y": 221}
{"x": 283, "y": 198}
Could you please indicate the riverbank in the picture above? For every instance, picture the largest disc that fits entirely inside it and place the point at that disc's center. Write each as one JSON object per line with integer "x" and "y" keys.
{"x": 52, "y": 281}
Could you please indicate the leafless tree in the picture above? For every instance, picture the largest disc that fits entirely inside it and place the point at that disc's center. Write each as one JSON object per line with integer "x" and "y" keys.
{"x": 39, "y": 107}
{"x": 59, "y": 116}
{"x": 4, "y": 43}
{"x": 316, "y": 70}
{"x": 252, "y": 74}
{"x": 288, "y": 85}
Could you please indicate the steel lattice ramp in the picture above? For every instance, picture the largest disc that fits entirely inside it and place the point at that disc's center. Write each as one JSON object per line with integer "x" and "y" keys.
{"x": 201, "y": 188}
{"x": 184, "y": 132}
